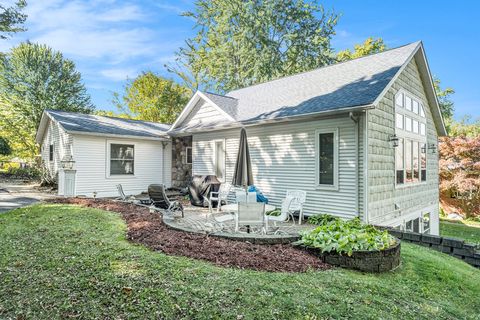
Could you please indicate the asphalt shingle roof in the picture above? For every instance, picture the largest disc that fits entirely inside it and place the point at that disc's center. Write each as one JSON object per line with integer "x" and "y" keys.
{"x": 86, "y": 123}
{"x": 339, "y": 86}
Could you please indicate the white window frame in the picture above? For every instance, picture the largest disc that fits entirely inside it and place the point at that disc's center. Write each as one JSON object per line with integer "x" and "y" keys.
{"x": 333, "y": 186}
{"x": 186, "y": 155}
{"x": 224, "y": 158}
{"x": 410, "y": 135}
{"x": 107, "y": 157}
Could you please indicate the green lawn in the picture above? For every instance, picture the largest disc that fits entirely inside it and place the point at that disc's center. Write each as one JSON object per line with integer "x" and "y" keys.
{"x": 467, "y": 230}
{"x": 59, "y": 261}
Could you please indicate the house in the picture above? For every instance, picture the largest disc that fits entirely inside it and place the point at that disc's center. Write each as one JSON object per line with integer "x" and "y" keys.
{"x": 107, "y": 151}
{"x": 360, "y": 137}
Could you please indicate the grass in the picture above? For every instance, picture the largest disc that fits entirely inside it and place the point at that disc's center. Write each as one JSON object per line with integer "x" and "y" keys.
{"x": 466, "y": 230}
{"x": 59, "y": 261}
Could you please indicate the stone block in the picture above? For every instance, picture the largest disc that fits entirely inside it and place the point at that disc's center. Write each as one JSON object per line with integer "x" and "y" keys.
{"x": 455, "y": 243}
{"x": 412, "y": 236}
{"x": 431, "y": 239}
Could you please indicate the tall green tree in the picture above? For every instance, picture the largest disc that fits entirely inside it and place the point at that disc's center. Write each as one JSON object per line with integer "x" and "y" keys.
{"x": 444, "y": 99}
{"x": 33, "y": 77}
{"x": 151, "y": 97}
{"x": 369, "y": 46}
{"x": 12, "y": 19}
{"x": 242, "y": 42}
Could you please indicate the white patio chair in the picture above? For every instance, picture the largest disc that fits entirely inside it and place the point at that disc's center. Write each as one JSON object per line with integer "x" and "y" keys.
{"x": 284, "y": 213}
{"x": 240, "y": 196}
{"x": 219, "y": 196}
{"x": 298, "y": 200}
{"x": 252, "y": 197}
{"x": 251, "y": 214}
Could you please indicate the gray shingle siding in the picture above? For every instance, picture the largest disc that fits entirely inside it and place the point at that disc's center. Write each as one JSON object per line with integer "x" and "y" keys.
{"x": 382, "y": 193}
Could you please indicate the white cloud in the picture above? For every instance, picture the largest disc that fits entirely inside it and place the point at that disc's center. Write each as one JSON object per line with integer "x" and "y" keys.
{"x": 119, "y": 74}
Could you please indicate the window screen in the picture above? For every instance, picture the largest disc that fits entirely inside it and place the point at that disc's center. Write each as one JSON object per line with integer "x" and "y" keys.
{"x": 122, "y": 159}
{"x": 326, "y": 158}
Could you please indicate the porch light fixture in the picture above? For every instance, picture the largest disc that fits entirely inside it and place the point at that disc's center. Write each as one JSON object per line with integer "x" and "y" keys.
{"x": 67, "y": 162}
{"x": 432, "y": 147}
{"x": 394, "y": 140}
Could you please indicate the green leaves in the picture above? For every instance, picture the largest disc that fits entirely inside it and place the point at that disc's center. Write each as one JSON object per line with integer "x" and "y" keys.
{"x": 152, "y": 98}
{"x": 344, "y": 236}
{"x": 240, "y": 43}
{"x": 12, "y": 19}
{"x": 33, "y": 78}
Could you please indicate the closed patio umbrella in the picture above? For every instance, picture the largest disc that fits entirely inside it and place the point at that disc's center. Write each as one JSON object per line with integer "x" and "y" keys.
{"x": 243, "y": 167}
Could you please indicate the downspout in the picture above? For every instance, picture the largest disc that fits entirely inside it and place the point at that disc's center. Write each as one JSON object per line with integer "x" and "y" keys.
{"x": 164, "y": 144}
{"x": 355, "y": 119}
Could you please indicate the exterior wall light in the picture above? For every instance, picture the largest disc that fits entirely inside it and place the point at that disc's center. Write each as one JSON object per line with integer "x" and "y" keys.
{"x": 394, "y": 140}
{"x": 432, "y": 147}
{"x": 67, "y": 162}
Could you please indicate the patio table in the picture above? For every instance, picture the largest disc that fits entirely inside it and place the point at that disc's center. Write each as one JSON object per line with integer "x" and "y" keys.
{"x": 234, "y": 207}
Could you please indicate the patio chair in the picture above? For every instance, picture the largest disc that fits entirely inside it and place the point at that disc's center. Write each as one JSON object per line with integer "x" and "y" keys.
{"x": 130, "y": 198}
{"x": 284, "y": 213}
{"x": 159, "y": 199}
{"x": 251, "y": 197}
{"x": 250, "y": 214}
{"x": 219, "y": 196}
{"x": 296, "y": 205}
{"x": 240, "y": 196}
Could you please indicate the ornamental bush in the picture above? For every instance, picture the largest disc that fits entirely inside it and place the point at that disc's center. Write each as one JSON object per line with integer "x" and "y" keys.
{"x": 344, "y": 236}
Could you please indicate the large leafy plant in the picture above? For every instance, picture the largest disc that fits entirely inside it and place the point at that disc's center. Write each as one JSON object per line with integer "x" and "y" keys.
{"x": 342, "y": 236}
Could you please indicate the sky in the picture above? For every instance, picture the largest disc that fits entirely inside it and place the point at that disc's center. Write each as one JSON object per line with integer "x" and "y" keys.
{"x": 112, "y": 40}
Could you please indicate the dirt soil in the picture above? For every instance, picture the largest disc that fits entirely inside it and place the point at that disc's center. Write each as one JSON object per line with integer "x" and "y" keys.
{"x": 148, "y": 229}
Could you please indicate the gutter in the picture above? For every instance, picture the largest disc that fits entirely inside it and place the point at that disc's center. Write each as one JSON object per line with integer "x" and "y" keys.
{"x": 356, "y": 119}
{"x": 118, "y": 136}
{"x": 250, "y": 123}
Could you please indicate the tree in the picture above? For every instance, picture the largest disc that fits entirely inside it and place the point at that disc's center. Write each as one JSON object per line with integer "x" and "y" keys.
{"x": 5, "y": 149}
{"x": 12, "y": 19}
{"x": 369, "y": 46}
{"x": 465, "y": 128}
{"x": 444, "y": 99}
{"x": 33, "y": 78}
{"x": 239, "y": 43}
{"x": 460, "y": 172}
{"x": 151, "y": 97}
{"x": 113, "y": 114}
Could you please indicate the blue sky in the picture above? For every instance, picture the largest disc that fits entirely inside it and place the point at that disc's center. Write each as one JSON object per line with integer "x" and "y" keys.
{"x": 111, "y": 40}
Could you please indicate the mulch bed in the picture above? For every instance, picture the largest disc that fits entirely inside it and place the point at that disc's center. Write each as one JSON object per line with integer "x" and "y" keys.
{"x": 148, "y": 229}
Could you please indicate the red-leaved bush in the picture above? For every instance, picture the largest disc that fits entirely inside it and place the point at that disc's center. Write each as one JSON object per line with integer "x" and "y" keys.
{"x": 460, "y": 172}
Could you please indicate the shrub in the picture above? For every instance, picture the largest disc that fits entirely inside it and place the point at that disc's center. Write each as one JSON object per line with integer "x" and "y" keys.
{"x": 344, "y": 236}
{"x": 23, "y": 173}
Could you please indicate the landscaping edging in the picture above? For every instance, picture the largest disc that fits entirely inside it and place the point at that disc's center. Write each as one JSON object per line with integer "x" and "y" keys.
{"x": 454, "y": 247}
{"x": 367, "y": 261}
{"x": 245, "y": 237}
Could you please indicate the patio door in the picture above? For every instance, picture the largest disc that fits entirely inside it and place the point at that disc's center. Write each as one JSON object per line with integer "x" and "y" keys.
{"x": 220, "y": 159}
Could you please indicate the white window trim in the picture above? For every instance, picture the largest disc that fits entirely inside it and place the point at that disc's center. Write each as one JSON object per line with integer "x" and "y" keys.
{"x": 107, "y": 157}
{"x": 335, "y": 160}
{"x": 410, "y": 135}
{"x": 224, "y": 158}
{"x": 186, "y": 155}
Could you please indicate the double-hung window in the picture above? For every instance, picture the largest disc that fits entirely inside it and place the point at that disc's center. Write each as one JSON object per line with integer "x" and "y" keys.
{"x": 50, "y": 152}
{"x": 327, "y": 158}
{"x": 410, "y": 128}
{"x": 122, "y": 159}
{"x": 188, "y": 155}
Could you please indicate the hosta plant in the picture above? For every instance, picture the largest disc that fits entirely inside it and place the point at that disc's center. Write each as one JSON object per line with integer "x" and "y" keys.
{"x": 344, "y": 236}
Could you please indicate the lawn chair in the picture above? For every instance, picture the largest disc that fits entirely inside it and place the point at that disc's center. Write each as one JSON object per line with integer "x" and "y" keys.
{"x": 219, "y": 196}
{"x": 240, "y": 196}
{"x": 130, "y": 198}
{"x": 250, "y": 214}
{"x": 251, "y": 197}
{"x": 296, "y": 204}
{"x": 159, "y": 199}
{"x": 284, "y": 213}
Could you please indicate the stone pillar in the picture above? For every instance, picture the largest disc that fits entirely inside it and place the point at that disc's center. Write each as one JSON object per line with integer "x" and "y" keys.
{"x": 181, "y": 170}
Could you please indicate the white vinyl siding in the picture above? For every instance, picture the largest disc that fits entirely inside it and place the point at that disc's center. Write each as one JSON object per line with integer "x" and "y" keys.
{"x": 284, "y": 157}
{"x": 152, "y": 165}
{"x": 61, "y": 142}
{"x": 202, "y": 114}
